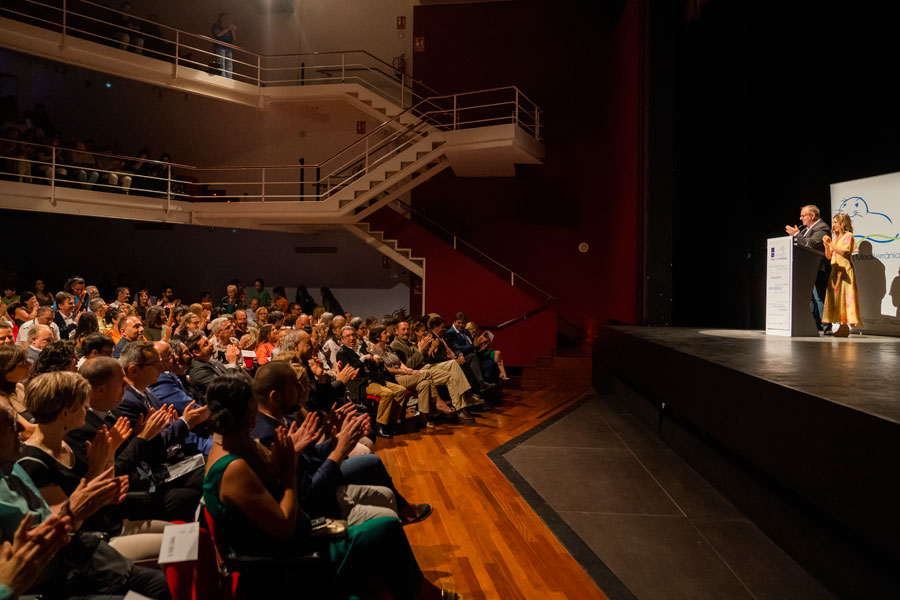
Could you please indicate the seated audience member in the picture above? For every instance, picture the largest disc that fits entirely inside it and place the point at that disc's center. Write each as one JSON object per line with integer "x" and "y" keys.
{"x": 86, "y": 566}
{"x": 10, "y": 297}
{"x": 56, "y": 464}
{"x": 75, "y": 286}
{"x": 25, "y": 309}
{"x": 278, "y": 299}
{"x": 464, "y": 343}
{"x": 109, "y": 323}
{"x": 333, "y": 342}
{"x": 112, "y": 169}
{"x": 190, "y": 326}
{"x": 87, "y": 324}
{"x": 56, "y": 356}
{"x": 7, "y": 337}
{"x": 40, "y": 290}
{"x": 205, "y": 368}
{"x": 268, "y": 337}
{"x": 483, "y": 348}
{"x": 122, "y": 296}
{"x": 276, "y": 318}
{"x": 85, "y": 166}
{"x": 241, "y": 325}
{"x": 259, "y": 293}
{"x": 170, "y": 390}
{"x": 222, "y": 336}
{"x": 252, "y": 307}
{"x": 321, "y": 488}
{"x": 411, "y": 379}
{"x": 129, "y": 31}
{"x": 252, "y": 497}
{"x": 142, "y": 367}
{"x": 439, "y": 351}
{"x": 323, "y": 389}
{"x": 38, "y": 338}
{"x": 447, "y": 373}
{"x": 392, "y": 397}
{"x": 156, "y": 324}
{"x": 132, "y": 331}
{"x": 14, "y": 369}
{"x": 66, "y": 317}
{"x": 94, "y": 345}
{"x": 43, "y": 316}
{"x": 230, "y": 301}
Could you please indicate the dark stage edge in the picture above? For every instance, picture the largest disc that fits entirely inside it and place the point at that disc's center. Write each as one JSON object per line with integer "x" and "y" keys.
{"x": 804, "y": 434}
{"x": 605, "y": 579}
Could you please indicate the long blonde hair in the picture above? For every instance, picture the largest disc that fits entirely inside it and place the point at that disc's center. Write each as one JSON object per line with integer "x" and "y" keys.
{"x": 844, "y": 222}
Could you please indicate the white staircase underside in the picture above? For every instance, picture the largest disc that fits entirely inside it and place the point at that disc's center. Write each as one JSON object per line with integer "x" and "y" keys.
{"x": 48, "y": 44}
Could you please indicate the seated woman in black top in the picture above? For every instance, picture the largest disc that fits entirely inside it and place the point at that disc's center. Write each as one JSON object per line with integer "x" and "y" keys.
{"x": 59, "y": 401}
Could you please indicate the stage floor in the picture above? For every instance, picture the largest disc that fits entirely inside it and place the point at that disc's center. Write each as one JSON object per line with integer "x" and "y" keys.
{"x": 860, "y": 372}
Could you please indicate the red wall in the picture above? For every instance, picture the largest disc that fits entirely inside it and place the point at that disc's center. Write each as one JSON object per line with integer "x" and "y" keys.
{"x": 456, "y": 283}
{"x": 582, "y": 64}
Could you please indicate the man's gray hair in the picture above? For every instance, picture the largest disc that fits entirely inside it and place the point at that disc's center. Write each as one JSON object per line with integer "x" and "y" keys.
{"x": 813, "y": 209}
{"x": 355, "y": 322}
{"x": 291, "y": 341}
{"x": 43, "y": 310}
{"x": 218, "y": 324}
{"x": 347, "y": 328}
{"x": 96, "y": 303}
{"x": 34, "y": 331}
{"x": 133, "y": 353}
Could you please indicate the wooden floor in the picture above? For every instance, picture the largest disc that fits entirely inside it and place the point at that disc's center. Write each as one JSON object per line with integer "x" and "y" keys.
{"x": 483, "y": 540}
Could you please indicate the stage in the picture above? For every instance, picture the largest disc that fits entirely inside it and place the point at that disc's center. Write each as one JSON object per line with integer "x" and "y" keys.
{"x": 805, "y": 434}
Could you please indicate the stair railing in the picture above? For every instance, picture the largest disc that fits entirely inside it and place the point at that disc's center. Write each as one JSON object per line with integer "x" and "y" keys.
{"x": 515, "y": 279}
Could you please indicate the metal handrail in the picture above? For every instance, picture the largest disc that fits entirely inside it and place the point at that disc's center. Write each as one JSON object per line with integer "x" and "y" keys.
{"x": 456, "y": 241}
{"x": 254, "y": 62}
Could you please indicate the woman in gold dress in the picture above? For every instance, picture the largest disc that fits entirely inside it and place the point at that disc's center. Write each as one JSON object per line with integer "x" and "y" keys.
{"x": 841, "y": 297}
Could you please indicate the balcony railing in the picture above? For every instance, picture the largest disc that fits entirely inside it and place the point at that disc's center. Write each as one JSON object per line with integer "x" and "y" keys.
{"x": 37, "y": 163}
{"x": 185, "y": 50}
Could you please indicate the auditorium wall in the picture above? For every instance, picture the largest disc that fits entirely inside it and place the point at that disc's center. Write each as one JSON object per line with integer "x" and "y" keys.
{"x": 582, "y": 64}
{"x": 193, "y": 259}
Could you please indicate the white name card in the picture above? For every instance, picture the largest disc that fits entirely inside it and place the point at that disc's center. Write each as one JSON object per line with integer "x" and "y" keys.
{"x": 180, "y": 543}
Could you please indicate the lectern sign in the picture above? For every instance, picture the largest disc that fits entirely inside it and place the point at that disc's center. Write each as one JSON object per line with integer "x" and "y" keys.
{"x": 778, "y": 286}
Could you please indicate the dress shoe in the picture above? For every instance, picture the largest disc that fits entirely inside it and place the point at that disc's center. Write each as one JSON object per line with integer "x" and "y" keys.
{"x": 383, "y": 431}
{"x": 843, "y": 331}
{"x": 487, "y": 388}
{"x": 463, "y": 415}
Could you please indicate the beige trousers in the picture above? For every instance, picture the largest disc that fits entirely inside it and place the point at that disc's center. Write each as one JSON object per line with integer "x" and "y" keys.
{"x": 450, "y": 374}
{"x": 392, "y": 398}
{"x": 424, "y": 387}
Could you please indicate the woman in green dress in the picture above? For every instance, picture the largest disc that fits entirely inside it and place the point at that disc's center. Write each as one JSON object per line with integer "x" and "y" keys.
{"x": 251, "y": 494}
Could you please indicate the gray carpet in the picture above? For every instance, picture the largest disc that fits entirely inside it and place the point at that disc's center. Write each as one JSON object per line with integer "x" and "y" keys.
{"x": 640, "y": 521}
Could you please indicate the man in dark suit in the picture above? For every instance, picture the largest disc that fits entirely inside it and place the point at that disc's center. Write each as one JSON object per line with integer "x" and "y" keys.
{"x": 107, "y": 381}
{"x": 810, "y": 235}
{"x": 205, "y": 368}
{"x": 181, "y": 493}
{"x": 392, "y": 397}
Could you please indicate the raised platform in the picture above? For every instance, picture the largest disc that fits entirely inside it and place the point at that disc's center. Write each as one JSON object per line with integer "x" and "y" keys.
{"x": 813, "y": 422}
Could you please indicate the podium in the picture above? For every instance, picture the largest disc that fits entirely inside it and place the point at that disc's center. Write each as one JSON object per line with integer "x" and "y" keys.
{"x": 790, "y": 276}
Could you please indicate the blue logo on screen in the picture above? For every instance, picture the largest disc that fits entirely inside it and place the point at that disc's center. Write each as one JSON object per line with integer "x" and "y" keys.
{"x": 773, "y": 252}
{"x": 881, "y": 224}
